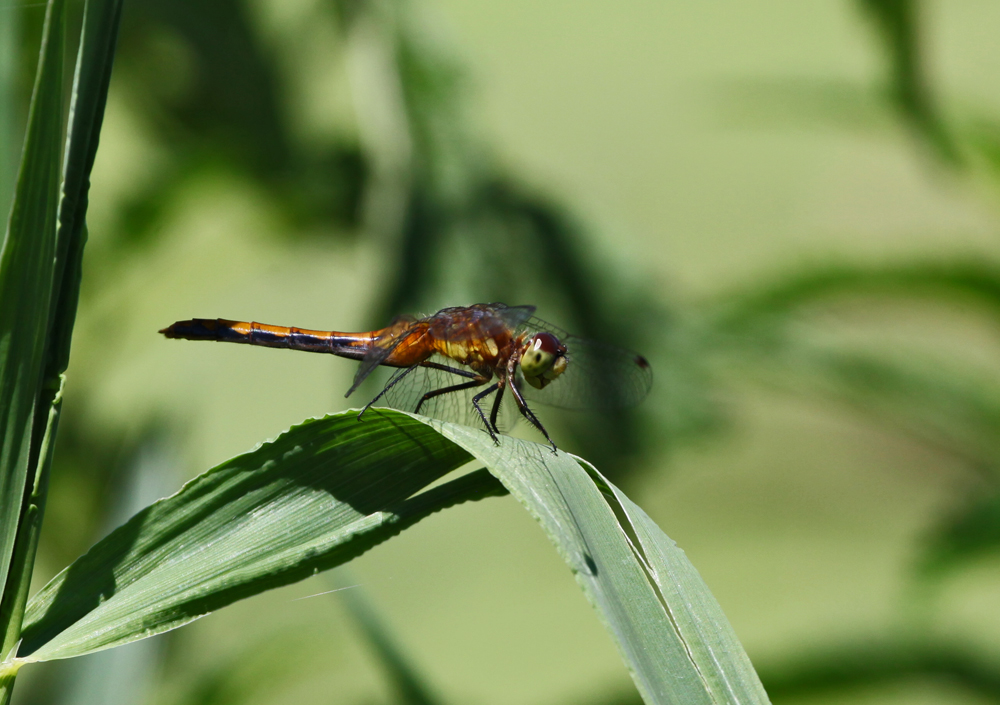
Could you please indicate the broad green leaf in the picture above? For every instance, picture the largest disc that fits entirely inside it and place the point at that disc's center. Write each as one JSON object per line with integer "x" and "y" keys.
{"x": 315, "y": 497}
{"x": 668, "y": 627}
{"x": 26, "y": 281}
{"x": 710, "y": 639}
{"x": 96, "y": 679}
{"x": 327, "y": 490}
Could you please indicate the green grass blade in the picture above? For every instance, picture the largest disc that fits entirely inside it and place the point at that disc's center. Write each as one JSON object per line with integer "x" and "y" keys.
{"x": 962, "y": 281}
{"x": 839, "y": 673}
{"x": 759, "y": 332}
{"x": 234, "y": 678}
{"x": 9, "y": 45}
{"x": 408, "y": 686}
{"x": 940, "y": 404}
{"x": 898, "y": 22}
{"x": 90, "y": 92}
{"x": 26, "y": 281}
{"x": 56, "y": 276}
{"x": 667, "y": 625}
{"x": 971, "y": 533}
{"x": 315, "y": 497}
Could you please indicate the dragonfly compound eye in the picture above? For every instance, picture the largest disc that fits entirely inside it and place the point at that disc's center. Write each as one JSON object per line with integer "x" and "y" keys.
{"x": 543, "y": 359}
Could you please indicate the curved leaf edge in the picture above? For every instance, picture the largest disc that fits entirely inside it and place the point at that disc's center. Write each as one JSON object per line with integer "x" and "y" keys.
{"x": 472, "y": 486}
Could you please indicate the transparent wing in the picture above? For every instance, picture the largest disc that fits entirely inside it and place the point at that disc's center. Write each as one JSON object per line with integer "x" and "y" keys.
{"x": 514, "y": 316}
{"x": 390, "y": 339}
{"x": 534, "y": 324}
{"x": 597, "y": 376}
{"x": 455, "y": 406}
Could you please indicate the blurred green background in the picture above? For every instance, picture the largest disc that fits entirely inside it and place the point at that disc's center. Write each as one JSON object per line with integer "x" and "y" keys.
{"x": 791, "y": 208}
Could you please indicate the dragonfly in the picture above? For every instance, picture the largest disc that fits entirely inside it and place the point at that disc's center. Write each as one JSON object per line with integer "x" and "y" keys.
{"x": 450, "y": 363}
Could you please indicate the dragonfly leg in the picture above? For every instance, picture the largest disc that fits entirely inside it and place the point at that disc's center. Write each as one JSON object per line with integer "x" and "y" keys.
{"x": 496, "y": 404}
{"x": 475, "y": 402}
{"x": 398, "y": 377}
{"x": 527, "y": 413}
{"x": 392, "y": 382}
{"x": 453, "y": 370}
{"x": 478, "y": 382}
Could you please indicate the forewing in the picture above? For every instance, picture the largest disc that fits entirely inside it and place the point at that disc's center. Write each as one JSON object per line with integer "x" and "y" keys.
{"x": 514, "y": 316}
{"x": 597, "y": 376}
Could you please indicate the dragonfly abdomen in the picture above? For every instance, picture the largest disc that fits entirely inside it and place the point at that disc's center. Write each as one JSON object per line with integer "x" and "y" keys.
{"x": 352, "y": 345}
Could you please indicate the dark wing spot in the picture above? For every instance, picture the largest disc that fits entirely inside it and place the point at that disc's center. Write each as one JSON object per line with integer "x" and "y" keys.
{"x": 642, "y": 362}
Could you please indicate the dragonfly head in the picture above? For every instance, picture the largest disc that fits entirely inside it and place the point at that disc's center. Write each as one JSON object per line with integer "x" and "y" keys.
{"x": 543, "y": 358}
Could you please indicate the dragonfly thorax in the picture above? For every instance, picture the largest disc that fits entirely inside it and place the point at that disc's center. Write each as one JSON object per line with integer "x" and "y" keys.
{"x": 543, "y": 358}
